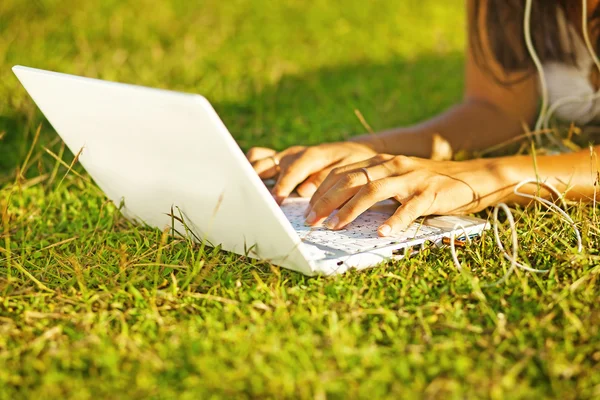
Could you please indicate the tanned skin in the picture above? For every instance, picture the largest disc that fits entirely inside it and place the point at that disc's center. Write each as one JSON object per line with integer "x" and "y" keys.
{"x": 354, "y": 175}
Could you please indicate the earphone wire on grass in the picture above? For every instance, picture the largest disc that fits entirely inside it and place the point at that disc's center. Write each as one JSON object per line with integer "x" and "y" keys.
{"x": 512, "y": 258}
{"x": 546, "y": 112}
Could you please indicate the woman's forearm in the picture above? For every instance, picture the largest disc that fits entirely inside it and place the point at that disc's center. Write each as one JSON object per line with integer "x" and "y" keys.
{"x": 471, "y": 125}
{"x": 429, "y": 187}
{"x": 574, "y": 174}
{"x": 477, "y": 125}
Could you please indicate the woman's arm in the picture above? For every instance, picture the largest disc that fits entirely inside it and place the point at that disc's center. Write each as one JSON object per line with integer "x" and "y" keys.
{"x": 426, "y": 187}
{"x": 575, "y": 174}
{"x": 474, "y": 124}
{"x": 490, "y": 113}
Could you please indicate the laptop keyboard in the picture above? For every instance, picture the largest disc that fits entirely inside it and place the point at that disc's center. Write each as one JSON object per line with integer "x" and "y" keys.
{"x": 359, "y": 236}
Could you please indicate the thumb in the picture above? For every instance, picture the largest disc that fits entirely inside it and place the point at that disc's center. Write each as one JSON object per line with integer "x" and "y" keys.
{"x": 406, "y": 214}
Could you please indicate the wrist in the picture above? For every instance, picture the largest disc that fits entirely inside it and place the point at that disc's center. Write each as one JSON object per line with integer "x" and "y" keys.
{"x": 371, "y": 141}
{"x": 512, "y": 170}
{"x": 507, "y": 173}
{"x": 490, "y": 180}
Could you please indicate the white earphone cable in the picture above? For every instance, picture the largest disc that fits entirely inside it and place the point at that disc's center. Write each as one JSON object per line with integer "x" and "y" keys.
{"x": 538, "y": 66}
{"x": 586, "y": 35}
{"x": 546, "y": 113}
{"x": 512, "y": 258}
{"x": 590, "y": 98}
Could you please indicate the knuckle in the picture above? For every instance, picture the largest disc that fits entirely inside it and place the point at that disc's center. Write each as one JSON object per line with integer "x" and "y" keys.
{"x": 373, "y": 188}
{"x": 338, "y": 171}
{"x": 311, "y": 151}
{"x": 401, "y": 161}
{"x": 335, "y": 171}
{"x": 408, "y": 210}
{"x": 381, "y": 157}
{"x": 318, "y": 178}
{"x": 324, "y": 202}
{"x": 402, "y": 220}
{"x": 297, "y": 150}
{"x": 351, "y": 179}
{"x": 346, "y": 180}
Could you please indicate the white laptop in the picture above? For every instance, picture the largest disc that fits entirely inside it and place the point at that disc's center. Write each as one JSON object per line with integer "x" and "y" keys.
{"x": 153, "y": 151}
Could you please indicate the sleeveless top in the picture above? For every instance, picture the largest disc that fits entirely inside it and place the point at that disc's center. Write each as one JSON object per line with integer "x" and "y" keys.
{"x": 572, "y": 81}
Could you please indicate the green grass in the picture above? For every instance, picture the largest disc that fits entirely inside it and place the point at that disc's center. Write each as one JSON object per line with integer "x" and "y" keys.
{"x": 91, "y": 306}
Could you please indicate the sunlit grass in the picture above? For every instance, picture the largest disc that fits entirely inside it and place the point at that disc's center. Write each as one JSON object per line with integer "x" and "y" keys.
{"x": 92, "y": 306}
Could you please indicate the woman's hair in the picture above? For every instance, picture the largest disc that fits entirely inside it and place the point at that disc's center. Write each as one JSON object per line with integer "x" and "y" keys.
{"x": 497, "y": 25}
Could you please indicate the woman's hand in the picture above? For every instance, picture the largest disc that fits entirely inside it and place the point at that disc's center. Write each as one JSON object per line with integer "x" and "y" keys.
{"x": 423, "y": 187}
{"x": 305, "y": 167}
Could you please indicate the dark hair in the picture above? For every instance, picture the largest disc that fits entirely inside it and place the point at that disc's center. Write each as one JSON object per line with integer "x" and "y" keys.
{"x": 497, "y": 25}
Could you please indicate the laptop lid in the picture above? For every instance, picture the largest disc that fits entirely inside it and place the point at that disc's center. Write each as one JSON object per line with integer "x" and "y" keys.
{"x": 155, "y": 150}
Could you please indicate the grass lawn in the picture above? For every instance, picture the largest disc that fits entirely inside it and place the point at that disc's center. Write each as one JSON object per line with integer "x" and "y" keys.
{"x": 94, "y": 307}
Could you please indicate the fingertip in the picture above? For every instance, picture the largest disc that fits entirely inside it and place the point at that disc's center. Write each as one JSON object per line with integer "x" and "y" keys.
{"x": 384, "y": 230}
{"x": 281, "y": 190}
{"x": 311, "y": 218}
{"x": 307, "y": 211}
{"x": 314, "y": 220}
{"x": 332, "y": 223}
{"x": 279, "y": 198}
{"x": 278, "y": 193}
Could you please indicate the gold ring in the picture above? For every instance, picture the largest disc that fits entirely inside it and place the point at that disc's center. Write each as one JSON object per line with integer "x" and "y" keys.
{"x": 366, "y": 172}
{"x": 275, "y": 161}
